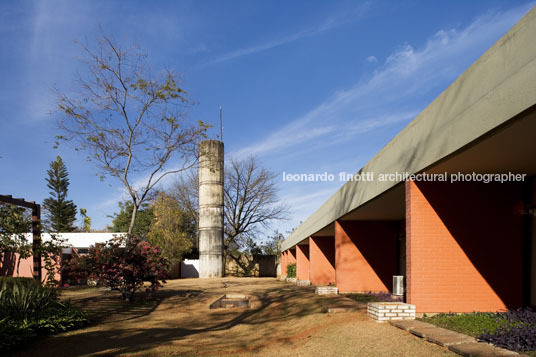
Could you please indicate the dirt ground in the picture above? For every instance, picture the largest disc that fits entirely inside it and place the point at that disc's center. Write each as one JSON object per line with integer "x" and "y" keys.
{"x": 288, "y": 322}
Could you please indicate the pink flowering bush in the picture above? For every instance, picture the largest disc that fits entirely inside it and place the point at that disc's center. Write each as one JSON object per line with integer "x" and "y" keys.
{"x": 122, "y": 264}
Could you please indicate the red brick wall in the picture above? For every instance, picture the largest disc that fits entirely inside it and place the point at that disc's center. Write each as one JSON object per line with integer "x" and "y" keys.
{"x": 463, "y": 246}
{"x": 284, "y": 263}
{"x": 291, "y": 256}
{"x": 302, "y": 262}
{"x": 8, "y": 267}
{"x": 365, "y": 255}
{"x": 322, "y": 260}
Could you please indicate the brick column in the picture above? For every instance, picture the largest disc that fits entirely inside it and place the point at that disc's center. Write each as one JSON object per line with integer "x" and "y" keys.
{"x": 302, "y": 262}
{"x": 464, "y": 246}
{"x": 365, "y": 255}
{"x": 284, "y": 263}
{"x": 322, "y": 260}
{"x": 291, "y": 256}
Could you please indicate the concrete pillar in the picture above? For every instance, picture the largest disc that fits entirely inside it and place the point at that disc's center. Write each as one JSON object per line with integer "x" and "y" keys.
{"x": 302, "y": 262}
{"x": 464, "y": 246}
{"x": 211, "y": 178}
{"x": 322, "y": 260}
{"x": 365, "y": 255}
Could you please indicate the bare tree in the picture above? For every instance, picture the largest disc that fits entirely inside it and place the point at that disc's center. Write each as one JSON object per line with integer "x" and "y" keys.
{"x": 251, "y": 202}
{"x": 132, "y": 124}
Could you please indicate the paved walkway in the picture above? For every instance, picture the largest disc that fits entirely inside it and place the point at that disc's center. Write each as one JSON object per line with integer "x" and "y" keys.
{"x": 461, "y": 344}
{"x": 289, "y": 321}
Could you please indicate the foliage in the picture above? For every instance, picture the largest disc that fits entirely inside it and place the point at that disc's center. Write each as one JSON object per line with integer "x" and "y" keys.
{"x": 129, "y": 119}
{"x": 86, "y": 221}
{"x": 173, "y": 230}
{"x": 22, "y": 297}
{"x": 14, "y": 223}
{"x": 144, "y": 218}
{"x": 50, "y": 251}
{"x": 28, "y": 310}
{"x": 60, "y": 212}
{"x": 374, "y": 297}
{"x": 272, "y": 246}
{"x": 515, "y": 330}
{"x": 122, "y": 264}
{"x": 291, "y": 270}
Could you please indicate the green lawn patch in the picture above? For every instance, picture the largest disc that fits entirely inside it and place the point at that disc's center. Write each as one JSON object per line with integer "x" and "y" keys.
{"x": 472, "y": 324}
{"x": 514, "y": 329}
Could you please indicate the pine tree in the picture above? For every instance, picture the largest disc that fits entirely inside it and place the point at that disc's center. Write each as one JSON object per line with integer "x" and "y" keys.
{"x": 60, "y": 212}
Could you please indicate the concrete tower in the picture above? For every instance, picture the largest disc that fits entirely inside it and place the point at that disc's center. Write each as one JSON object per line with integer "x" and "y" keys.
{"x": 211, "y": 209}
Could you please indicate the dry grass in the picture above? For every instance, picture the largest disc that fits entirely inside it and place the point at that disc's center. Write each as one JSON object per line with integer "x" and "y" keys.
{"x": 288, "y": 322}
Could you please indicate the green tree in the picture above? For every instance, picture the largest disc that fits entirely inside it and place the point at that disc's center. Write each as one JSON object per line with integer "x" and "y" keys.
{"x": 15, "y": 222}
{"x": 272, "y": 245}
{"x": 131, "y": 120}
{"x": 173, "y": 229}
{"x": 142, "y": 225}
{"x": 60, "y": 212}
{"x": 86, "y": 221}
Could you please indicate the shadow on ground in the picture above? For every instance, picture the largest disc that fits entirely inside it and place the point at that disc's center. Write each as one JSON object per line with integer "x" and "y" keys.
{"x": 179, "y": 321}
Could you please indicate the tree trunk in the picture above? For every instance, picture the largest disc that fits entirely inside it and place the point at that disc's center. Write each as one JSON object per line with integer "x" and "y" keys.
{"x": 18, "y": 262}
{"x": 133, "y": 219}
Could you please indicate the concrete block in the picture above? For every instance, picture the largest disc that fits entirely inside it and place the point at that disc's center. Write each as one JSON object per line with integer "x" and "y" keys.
{"x": 475, "y": 349}
{"x": 326, "y": 290}
{"x": 303, "y": 282}
{"x": 409, "y": 324}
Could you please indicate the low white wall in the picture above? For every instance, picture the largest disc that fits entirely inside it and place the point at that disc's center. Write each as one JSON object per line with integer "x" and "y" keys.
{"x": 190, "y": 268}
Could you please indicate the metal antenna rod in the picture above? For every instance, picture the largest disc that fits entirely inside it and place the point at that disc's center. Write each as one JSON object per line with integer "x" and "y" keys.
{"x": 221, "y": 126}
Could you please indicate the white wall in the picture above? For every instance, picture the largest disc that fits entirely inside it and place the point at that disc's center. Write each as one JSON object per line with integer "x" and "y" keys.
{"x": 79, "y": 240}
{"x": 190, "y": 268}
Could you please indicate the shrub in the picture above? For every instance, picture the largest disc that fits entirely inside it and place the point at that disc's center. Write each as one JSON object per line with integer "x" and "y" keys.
{"x": 122, "y": 264}
{"x": 291, "y": 270}
{"x": 28, "y": 309}
{"x": 375, "y": 297}
{"x": 516, "y": 330}
{"x": 21, "y": 298}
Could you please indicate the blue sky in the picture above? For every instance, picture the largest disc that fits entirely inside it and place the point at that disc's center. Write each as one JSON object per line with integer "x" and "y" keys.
{"x": 307, "y": 86}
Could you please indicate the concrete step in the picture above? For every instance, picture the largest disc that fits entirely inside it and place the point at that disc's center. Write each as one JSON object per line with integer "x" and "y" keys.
{"x": 409, "y": 324}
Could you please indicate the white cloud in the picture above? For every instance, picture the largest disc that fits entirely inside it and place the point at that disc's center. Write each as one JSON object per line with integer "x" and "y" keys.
{"x": 391, "y": 95}
{"x": 372, "y": 59}
{"x": 330, "y": 23}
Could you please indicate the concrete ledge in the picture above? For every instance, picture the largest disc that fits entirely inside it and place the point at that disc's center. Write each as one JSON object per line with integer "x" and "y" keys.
{"x": 291, "y": 280}
{"x": 303, "y": 282}
{"x": 407, "y": 325}
{"x": 456, "y": 342}
{"x": 479, "y": 349}
{"x": 326, "y": 290}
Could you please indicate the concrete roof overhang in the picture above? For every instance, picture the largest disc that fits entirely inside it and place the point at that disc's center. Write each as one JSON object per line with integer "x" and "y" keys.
{"x": 483, "y": 122}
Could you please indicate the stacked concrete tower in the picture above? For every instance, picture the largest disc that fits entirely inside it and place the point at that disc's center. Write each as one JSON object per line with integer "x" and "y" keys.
{"x": 211, "y": 209}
